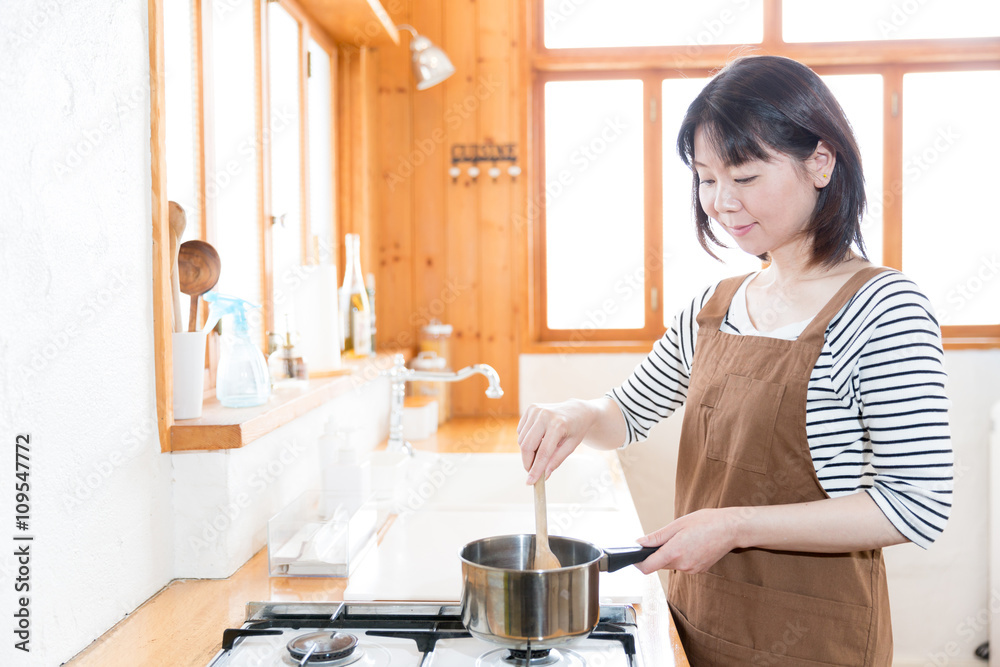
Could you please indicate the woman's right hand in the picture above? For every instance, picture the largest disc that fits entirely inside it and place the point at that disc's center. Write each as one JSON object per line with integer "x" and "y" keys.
{"x": 548, "y": 433}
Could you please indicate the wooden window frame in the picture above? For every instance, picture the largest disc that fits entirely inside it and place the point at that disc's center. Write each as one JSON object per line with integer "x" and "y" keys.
{"x": 309, "y": 28}
{"x": 890, "y": 58}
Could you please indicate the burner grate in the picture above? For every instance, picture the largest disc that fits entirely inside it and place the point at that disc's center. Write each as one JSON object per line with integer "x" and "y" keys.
{"x": 424, "y": 624}
{"x": 426, "y": 640}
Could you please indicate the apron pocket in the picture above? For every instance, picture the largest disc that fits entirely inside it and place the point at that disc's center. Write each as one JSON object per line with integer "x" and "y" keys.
{"x": 702, "y": 649}
{"x": 745, "y": 624}
{"x": 741, "y": 422}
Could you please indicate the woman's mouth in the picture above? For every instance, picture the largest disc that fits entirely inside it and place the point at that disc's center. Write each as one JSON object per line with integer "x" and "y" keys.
{"x": 741, "y": 230}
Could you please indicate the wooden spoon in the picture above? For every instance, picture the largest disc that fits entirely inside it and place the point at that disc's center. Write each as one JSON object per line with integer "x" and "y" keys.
{"x": 544, "y": 558}
{"x": 178, "y": 221}
{"x": 200, "y": 267}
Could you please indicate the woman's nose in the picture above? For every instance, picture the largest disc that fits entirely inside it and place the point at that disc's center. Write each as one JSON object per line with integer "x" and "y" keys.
{"x": 725, "y": 199}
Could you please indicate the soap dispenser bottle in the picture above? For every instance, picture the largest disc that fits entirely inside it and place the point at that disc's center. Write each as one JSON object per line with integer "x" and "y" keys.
{"x": 286, "y": 365}
{"x": 242, "y": 380}
{"x": 344, "y": 478}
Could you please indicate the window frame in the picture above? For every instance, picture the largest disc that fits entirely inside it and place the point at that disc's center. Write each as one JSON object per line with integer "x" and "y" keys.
{"x": 201, "y": 37}
{"x": 889, "y": 58}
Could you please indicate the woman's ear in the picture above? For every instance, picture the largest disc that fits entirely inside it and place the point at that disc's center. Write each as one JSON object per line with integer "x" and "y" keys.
{"x": 820, "y": 164}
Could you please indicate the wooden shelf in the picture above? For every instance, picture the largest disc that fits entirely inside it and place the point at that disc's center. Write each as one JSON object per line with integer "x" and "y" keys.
{"x": 230, "y": 428}
{"x": 354, "y": 22}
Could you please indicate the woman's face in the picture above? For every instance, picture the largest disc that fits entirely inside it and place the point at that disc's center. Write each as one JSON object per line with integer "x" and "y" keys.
{"x": 764, "y": 206}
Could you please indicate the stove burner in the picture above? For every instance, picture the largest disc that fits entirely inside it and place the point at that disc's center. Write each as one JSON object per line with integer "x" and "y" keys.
{"x": 322, "y": 647}
{"x": 517, "y": 654}
{"x": 519, "y": 658}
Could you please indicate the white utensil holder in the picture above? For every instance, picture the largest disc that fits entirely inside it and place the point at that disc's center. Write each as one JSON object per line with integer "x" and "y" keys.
{"x": 189, "y": 373}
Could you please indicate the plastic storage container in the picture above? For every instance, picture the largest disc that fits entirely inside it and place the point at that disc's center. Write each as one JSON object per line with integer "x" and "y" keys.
{"x": 436, "y": 337}
{"x": 321, "y": 535}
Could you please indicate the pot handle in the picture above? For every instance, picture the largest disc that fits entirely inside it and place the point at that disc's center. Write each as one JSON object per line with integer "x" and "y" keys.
{"x": 615, "y": 559}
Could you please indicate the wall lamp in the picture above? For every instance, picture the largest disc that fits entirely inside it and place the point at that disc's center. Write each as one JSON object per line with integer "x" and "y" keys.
{"x": 431, "y": 65}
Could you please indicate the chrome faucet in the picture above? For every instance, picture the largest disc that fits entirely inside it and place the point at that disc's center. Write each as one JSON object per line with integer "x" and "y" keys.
{"x": 399, "y": 375}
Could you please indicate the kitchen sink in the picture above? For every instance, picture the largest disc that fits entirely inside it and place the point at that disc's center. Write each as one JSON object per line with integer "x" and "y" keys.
{"x": 459, "y": 482}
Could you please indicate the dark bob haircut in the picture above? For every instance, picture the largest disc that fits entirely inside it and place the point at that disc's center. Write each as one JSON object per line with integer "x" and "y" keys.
{"x": 758, "y": 105}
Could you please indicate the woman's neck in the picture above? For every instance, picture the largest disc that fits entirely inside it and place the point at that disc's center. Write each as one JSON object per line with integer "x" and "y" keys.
{"x": 792, "y": 264}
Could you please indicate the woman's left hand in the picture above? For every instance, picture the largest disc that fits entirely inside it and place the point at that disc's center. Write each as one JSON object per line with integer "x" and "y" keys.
{"x": 693, "y": 543}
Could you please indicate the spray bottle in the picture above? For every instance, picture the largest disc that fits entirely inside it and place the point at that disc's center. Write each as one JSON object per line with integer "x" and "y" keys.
{"x": 242, "y": 380}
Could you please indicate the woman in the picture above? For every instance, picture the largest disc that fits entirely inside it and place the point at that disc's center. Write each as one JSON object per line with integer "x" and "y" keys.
{"x": 816, "y": 430}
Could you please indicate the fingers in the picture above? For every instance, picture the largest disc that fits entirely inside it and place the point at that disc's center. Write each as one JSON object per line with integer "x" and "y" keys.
{"x": 692, "y": 543}
{"x": 529, "y": 438}
{"x": 546, "y": 435}
{"x": 659, "y": 536}
{"x": 526, "y": 419}
{"x": 540, "y": 466}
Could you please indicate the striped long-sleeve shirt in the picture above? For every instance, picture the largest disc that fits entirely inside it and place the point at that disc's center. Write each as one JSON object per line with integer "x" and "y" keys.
{"x": 876, "y": 409}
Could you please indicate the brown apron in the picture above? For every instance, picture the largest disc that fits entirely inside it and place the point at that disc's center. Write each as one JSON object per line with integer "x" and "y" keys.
{"x": 743, "y": 444}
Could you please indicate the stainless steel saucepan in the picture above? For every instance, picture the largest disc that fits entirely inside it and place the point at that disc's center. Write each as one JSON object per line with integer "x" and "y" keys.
{"x": 506, "y": 603}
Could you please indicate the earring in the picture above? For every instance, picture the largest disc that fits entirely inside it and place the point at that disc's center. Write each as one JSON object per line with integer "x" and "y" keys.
{"x": 824, "y": 175}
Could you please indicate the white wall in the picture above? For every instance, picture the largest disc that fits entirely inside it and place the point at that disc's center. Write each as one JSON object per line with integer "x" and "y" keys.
{"x": 222, "y": 500}
{"x": 112, "y": 517}
{"x": 76, "y": 363}
{"x": 939, "y": 596}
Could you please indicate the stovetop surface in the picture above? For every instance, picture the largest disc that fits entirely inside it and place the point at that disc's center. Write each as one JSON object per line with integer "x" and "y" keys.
{"x": 418, "y": 634}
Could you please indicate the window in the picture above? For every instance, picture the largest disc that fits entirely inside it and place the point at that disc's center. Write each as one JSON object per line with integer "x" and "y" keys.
{"x": 253, "y": 172}
{"x": 614, "y": 254}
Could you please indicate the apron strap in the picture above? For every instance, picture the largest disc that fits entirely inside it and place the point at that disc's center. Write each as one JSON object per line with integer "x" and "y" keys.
{"x": 711, "y": 315}
{"x": 815, "y": 331}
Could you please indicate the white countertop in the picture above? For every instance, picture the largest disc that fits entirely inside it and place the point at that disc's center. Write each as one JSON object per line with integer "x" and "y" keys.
{"x": 473, "y": 496}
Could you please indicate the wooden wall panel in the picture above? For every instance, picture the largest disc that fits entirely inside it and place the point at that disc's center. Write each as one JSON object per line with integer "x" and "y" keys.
{"x": 462, "y": 200}
{"x": 449, "y": 249}
{"x": 426, "y": 158}
{"x": 499, "y": 325}
{"x": 346, "y": 55}
{"x": 394, "y": 228}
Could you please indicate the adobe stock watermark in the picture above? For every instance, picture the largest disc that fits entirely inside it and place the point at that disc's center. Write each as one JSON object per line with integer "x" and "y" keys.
{"x": 211, "y": 530}
{"x": 557, "y": 14}
{"x": 899, "y": 15}
{"x": 562, "y": 519}
{"x": 92, "y": 138}
{"x": 418, "y": 494}
{"x": 711, "y": 30}
{"x": 34, "y": 23}
{"x": 968, "y": 288}
{"x": 362, "y": 36}
{"x": 624, "y": 289}
{"x": 95, "y": 303}
{"x": 423, "y": 315}
{"x": 582, "y": 157}
{"x": 969, "y": 631}
{"x": 246, "y": 152}
{"x": 915, "y": 166}
{"x": 87, "y": 482}
{"x": 792, "y": 634}
{"x": 708, "y": 32}
{"x": 454, "y": 117}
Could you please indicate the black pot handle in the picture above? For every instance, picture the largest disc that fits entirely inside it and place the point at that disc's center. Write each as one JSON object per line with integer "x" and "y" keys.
{"x": 616, "y": 559}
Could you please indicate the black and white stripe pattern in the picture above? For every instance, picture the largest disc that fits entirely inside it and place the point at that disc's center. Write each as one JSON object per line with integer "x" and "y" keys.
{"x": 877, "y": 413}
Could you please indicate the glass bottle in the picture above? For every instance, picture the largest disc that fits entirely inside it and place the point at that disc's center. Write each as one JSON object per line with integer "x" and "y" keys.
{"x": 286, "y": 365}
{"x": 370, "y": 284}
{"x": 354, "y": 302}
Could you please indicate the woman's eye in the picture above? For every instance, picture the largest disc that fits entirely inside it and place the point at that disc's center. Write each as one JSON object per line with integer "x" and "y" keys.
{"x": 705, "y": 181}
{"x": 745, "y": 180}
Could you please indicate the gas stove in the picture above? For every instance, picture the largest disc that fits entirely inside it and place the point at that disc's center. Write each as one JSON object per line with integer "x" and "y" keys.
{"x": 374, "y": 634}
